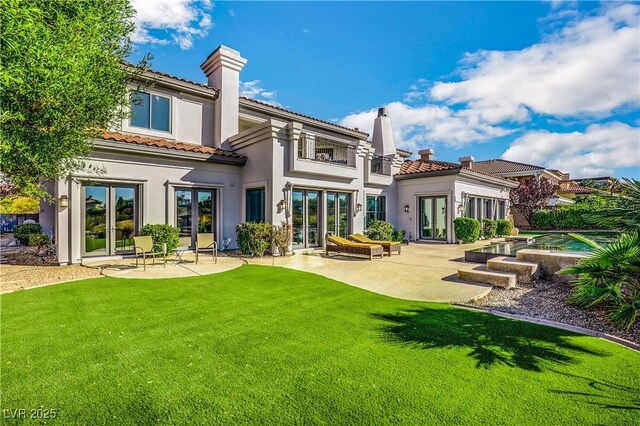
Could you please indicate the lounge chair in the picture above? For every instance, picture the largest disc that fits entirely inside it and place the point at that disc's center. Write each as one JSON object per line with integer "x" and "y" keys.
{"x": 144, "y": 247}
{"x": 207, "y": 242}
{"x": 337, "y": 244}
{"x": 389, "y": 246}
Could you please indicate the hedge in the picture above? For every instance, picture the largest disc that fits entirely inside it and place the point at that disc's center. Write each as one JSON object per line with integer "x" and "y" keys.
{"x": 162, "y": 234}
{"x": 467, "y": 229}
{"x": 22, "y": 232}
{"x": 561, "y": 218}
{"x": 489, "y": 228}
{"x": 254, "y": 239}
{"x": 503, "y": 227}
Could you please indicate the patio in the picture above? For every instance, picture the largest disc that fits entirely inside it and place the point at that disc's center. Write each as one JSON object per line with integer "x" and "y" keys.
{"x": 424, "y": 272}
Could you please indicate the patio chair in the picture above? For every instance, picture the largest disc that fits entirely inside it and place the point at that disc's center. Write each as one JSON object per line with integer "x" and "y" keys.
{"x": 388, "y": 246}
{"x": 341, "y": 245}
{"x": 207, "y": 242}
{"x": 143, "y": 246}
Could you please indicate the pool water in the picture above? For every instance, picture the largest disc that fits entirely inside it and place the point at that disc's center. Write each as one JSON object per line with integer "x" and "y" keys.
{"x": 553, "y": 242}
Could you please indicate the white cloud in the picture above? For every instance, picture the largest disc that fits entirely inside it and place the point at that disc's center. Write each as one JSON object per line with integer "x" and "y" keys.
{"x": 417, "y": 126}
{"x": 253, "y": 89}
{"x": 597, "y": 151}
{"x": 588, "y": 68}
{"x": 179, "y": 20}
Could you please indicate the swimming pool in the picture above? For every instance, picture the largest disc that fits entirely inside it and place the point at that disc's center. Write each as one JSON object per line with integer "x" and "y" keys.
{"x": 554, "y": 242}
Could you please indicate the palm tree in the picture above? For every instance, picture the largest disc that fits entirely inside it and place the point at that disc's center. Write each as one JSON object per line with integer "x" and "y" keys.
{"x": 624, "y": 211}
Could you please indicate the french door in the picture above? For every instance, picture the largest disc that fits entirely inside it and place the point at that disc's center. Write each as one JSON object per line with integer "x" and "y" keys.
{"x": 338, "y": 214}
{"x": 110, "y": 218}
{"x": 305, "y": 218}
{"x": 433, "y": 218}
{"x": 195, "y": 213}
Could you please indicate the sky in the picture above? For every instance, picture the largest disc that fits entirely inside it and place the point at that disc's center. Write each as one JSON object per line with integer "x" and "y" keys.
{"x": 551, "y": 83}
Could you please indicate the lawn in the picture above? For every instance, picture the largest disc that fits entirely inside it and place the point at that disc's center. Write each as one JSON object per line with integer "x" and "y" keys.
{"x": 267, "y": 345}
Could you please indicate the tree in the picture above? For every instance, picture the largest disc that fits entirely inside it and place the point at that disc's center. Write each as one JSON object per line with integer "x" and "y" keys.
{"x": 16, "y": 204}
{"x": 62, "y": 80}
{"x": 622, "y": 211}
{"x": 531, "y": 195}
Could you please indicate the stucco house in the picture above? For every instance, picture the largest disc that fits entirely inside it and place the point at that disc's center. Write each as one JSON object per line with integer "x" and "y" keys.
{"x": 203, "y": 158}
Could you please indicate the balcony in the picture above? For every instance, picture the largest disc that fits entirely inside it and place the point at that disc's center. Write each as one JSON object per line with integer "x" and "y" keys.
{"x": 324, "y": 150}
{"x": 381, "y": 165}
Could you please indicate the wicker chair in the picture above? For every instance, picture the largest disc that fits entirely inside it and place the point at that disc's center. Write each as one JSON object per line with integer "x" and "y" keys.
{"x": 388, "y": 246}
{"x": 341, "y": 245}
{"x": 207, "y": 242}
{"x": 143, "y": 245}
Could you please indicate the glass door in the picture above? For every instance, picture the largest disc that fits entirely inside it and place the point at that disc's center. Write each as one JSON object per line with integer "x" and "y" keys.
{"x": 338, "y": 214}
{"x": 305, "y": 218}
{"x": 110, "y": 219}
{"x": 433, "y": 218}
{"x": 195, "y": 213}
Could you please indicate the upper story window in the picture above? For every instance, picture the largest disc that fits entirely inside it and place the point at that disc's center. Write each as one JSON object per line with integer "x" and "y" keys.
{"x": 150, "y": 111}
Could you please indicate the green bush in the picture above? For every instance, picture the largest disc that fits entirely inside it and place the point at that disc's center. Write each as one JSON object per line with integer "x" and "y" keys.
{"x": 254, "y": 239}
{"x": 282, "y": 236}
{"x": 503, "y": 227}
{"x": 162, "y": 234}
{"x": 398, "y": 235}
{"x": 22, "y": 232}
{"x": 576, "y": 216}
{"x": 380, "y": 230}
{"x": 489, "y": 228}
{"x": 467, "y": 229}
{"x": 39, "y": 240}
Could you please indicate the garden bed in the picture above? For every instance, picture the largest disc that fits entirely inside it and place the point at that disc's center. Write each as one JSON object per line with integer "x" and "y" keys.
{"x": 546, "y": 300}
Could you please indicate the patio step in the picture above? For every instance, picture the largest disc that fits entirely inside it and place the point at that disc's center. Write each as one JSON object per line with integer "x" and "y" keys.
{"x": 482, "y": 275}
{"x": 524, "y": 270}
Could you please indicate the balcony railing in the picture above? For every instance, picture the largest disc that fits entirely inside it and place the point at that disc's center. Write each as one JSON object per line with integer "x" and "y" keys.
{"x": 381, "y": 165}
{"x": 326, "y": 150}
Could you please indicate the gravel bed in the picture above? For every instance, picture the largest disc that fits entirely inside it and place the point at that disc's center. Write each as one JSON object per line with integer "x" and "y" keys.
{"x": 546, "y": 300}
{"x": 20, "y": 277}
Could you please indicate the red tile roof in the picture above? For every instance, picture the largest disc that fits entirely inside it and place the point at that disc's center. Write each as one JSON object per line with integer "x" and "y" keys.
{"x": 498, "y": 166}
{"x": 422, "y": 166}
{"x": 164, "y": 143}
{"x": 303, "y": 115}
{"x": 577, "y": 189}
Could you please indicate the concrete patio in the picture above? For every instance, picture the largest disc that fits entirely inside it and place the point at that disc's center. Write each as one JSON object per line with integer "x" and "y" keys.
{"x": 425, "y": 272}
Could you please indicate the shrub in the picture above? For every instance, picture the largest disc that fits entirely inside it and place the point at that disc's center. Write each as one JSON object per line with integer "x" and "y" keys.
{"x": 162, "y": 234}
{"x": 39, "y": 240}
{"x": 398, "y": 235}
{"x": 580, "y": 215}
{"x": 489, "y": 228}
{"x": 254, "y": 239}
{"x": 467, "y": 229}
{"x": 503, "y": 227}
{"x": 282, "y": 237}
{"x": 22, "y": 232}
{"x": 380, "y": 230}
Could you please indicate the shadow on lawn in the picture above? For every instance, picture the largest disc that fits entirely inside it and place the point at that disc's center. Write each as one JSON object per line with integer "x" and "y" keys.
{"x": 491, "y": 339}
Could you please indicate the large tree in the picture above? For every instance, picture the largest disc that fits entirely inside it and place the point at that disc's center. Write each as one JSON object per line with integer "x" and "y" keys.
{"x": 62, "y": 79}
{"x": 531, "y": 195}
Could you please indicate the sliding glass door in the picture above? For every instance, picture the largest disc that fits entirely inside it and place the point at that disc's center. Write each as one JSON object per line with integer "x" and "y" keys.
{"x": 110, "y": 218}
{"x": 195, "y": 213}
{"x": 305, "y": 218}
{"x": 433, "y": 218}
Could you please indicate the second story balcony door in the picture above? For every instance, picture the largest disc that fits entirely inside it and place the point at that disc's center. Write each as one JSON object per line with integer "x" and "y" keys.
{"x": 306, "y": 219}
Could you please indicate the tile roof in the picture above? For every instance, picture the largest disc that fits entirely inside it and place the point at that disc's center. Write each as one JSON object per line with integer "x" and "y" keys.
{"x": 184, "y": 80}
{"x": 577, "y": 189}
{"x": 497, "y": 166}
{"x": 421, "y": 166}
{"x": 302, "y": 115}
{"x": 164, "y": 143}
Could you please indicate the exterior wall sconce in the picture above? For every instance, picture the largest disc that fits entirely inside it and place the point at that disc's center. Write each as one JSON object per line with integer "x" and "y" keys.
{"x": 358, "y": 207}
{"x": 64, "y": 201}
{"x": 406, "y": 208}
{"x": 280, "y": 206}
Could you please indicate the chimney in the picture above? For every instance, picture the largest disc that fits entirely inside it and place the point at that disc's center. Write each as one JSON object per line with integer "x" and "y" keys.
{"x": 222, "y": 69}
{"x": 382, "y": 139}
{"x": 467, "y": 162}
{"x": 426, "y": 154}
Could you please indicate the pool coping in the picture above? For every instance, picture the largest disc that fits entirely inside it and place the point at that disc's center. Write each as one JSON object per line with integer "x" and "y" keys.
{"x": 574, "y": 328}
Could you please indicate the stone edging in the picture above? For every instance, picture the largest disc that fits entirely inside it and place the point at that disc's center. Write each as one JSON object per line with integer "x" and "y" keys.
{"x": 620, "y": 341}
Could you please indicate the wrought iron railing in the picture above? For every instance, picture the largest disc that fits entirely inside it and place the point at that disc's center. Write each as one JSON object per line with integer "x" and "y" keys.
{"x": 326, "y": 150}
{"x": 381, "y": 165}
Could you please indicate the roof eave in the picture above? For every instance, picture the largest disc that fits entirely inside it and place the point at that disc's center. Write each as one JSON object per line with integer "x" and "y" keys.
{"x": 488, "y": 178}
{"x": 426, "y": 174}
{"x": 182, "y": 86}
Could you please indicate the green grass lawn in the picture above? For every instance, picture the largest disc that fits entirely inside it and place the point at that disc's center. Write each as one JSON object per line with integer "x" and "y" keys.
{"x": 267, "y": 345}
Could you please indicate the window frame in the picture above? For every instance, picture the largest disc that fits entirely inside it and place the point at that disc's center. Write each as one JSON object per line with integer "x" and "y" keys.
{"x": 169, "y": 98}
{"x": 263, "y": 203}
{"x": 378, "y": 213}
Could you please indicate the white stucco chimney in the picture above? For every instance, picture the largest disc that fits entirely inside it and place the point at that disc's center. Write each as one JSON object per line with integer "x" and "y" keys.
{"x": 467, "y": 162}
{"x": 223, "y": 68}
{"x": 426, "y": 154}
{"x": 382, "y": 139}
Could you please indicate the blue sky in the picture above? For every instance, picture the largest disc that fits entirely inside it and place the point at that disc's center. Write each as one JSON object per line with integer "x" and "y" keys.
{"x": 551, "y": 83}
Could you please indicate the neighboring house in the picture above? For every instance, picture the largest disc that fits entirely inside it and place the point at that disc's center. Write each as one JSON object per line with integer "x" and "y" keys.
{"x": 202, "y": 158}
